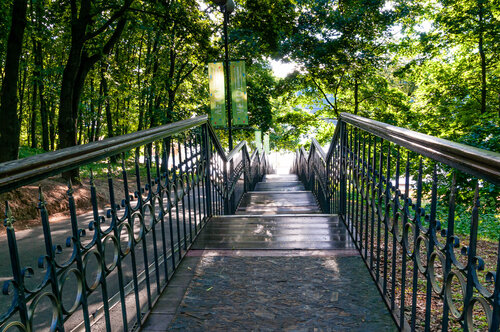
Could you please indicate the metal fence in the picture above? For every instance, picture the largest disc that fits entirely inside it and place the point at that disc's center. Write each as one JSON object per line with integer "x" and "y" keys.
{"x": 403, "y": 195}
{"x": 104, "y": 270}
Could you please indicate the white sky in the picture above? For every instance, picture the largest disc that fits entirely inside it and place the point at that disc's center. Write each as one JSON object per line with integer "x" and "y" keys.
{"x": 282, "y": 69}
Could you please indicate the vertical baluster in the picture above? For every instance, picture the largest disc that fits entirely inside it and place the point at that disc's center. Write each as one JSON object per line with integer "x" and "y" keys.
{"x": 471, "y": 257}
{"x": 349, "y": 168}
{"x": 181, "y": 178}
{"x": 418, "y": 213}
{"x": 203, "y": 164}
{"x": 187, "y": 172}
{"x": 78, "y": 257}
{"x": 15, "y": 265}
{"x": 386, "y": 216}
{"x": 100, "y": 249}
{"x": 343, "y": 171}
{"x": 360, "y": 193}
{"x": 430, "y": 249}
{"x": 116, "y": 232}
{"x": 226, "y": 186}
{"x": 395, "y": 228}
{"x": 208, "y": 168}
{"x": 372, "y": 200}
{"x": 140, "y": 214}
{"x": 152, "y": 200}
{"x": 131, "y": 226}
{"x": 193, "y": 178}
{"x": 495, "y": 322}
{"x": 50, "y": 253}
{"x": 367, "y": 194}
{"x": 405, "y": 249}
{"x": 176, "y": 198}
{"x": 161, "y": 195}
{"x": 356, "y": 165}
{"x": 378, "y": 201}
{"x": 169, "y": 184}
{"x": 450, "y": 240}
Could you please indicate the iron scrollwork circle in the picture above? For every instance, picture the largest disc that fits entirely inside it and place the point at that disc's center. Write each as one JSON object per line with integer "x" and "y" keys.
{"x": 140, "y": 234}
{"x": 79, "y": 279}
{"x": 179, "y": 193}
{"x": 98, "y": 277}
{"x": 116, "y": 252}
{"x": 448, "y": 292}
{"x": 421, "y": 239}
{"x": 18, "y": 325}
{"x": 54, "y": 304}
{"x": 470, "y": 312}
{"x": 149, "y": 211}
{"x": 432, "y": 271}
{"x": 129, "y": 238}
{"x": 406, "y": 240}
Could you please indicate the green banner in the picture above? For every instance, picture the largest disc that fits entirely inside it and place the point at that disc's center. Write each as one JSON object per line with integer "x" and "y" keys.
{"x": 217, "y": 94}
{"x": 267, "y": 148}
{"x": 239, "y": 93}
{"x": 258, "y": 139}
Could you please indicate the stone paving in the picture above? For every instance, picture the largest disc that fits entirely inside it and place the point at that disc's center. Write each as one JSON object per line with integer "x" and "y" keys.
{"x": 329, "y": 293}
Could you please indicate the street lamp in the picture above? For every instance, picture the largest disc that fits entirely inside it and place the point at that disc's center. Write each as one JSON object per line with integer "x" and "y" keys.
{"x": 227, "y": 7}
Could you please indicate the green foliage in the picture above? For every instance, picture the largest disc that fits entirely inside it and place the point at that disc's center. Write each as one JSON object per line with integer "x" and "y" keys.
{"x": 26, "y": 151}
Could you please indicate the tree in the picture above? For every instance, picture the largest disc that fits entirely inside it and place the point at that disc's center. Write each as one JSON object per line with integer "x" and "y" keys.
{"x": 9, "y": 126}
{"x": 80, "y": 61}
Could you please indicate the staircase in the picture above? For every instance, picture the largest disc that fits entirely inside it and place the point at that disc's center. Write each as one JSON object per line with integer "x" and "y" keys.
{"x": 279, "y": 214}
{"x": 277, "y": 264}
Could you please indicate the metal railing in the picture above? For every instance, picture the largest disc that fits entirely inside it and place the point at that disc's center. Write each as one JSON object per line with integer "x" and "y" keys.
{"x": 399, "y": 193}
{"x": 118, "y": 259}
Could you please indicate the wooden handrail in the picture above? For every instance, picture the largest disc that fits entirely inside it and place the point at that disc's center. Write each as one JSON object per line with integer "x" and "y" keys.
{"x": 478, "y": 162}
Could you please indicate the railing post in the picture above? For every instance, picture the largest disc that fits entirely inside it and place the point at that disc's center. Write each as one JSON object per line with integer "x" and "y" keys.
{"x": 227, "y": 199}
{"x": 343, "y": 170}
{"x": 206, "y": 157}
{"x": 15, "y": 264}
{"x": 328, "y": 188}
{"x": 245, "y": 169}
{"x": 495, "y": 322}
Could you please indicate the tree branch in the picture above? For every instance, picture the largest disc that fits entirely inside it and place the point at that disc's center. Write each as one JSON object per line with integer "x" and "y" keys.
{"x": 324, "y": 95}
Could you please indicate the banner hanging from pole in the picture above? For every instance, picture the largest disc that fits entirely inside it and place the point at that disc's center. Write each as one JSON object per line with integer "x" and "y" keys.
{"x": 218, "y": 116}
{"x": 267, "y": 147}
{"x": 258, "y": 140}
{"x": 239, "y": 93}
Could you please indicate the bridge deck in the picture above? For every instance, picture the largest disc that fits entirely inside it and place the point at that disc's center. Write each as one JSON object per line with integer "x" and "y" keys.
{"x": 277, "y": 265}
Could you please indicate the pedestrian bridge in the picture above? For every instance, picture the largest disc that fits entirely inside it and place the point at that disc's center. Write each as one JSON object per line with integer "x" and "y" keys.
{"x": 184, "y": 236}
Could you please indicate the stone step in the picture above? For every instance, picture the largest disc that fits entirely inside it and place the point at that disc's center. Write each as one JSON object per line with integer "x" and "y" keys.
{"x": 280, "y": 178}
{"x": 280, "y": 186}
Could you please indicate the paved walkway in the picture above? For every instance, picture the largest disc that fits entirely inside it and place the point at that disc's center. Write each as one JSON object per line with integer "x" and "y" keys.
{"x": 273, "y": 269}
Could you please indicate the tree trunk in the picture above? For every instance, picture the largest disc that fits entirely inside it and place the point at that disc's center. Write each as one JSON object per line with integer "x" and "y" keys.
{"x": 80, "y": 127}
{"x": 9, "y": 126}
{"x": 52, "y": 127}
{"x": 109, "y": 119}
{"x": 37, "y": 50}
{"x": 77, "y": 67}
{"x": 34, "y": 141}
{"x": 93, "y": 116}
{"x": 356, "y": 97}
{"x": 483, "y": 60}
{"x": 24, "y": 75}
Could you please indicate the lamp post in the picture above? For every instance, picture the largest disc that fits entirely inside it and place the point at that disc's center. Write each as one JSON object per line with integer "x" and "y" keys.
{"x": 227, "y": 7}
